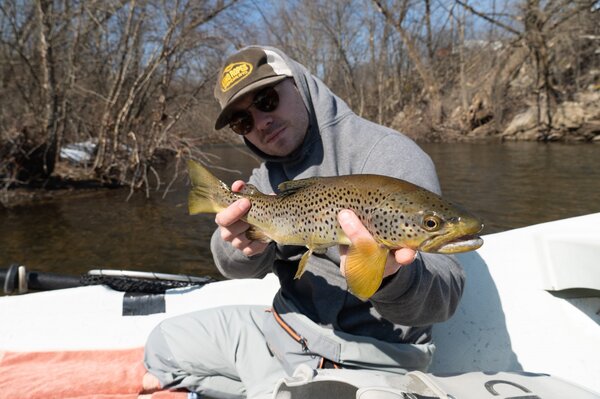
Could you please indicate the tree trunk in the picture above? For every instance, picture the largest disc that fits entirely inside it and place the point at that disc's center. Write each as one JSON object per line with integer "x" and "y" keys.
{"x": 432, "y": 88}
{"x": 49, "y": 101}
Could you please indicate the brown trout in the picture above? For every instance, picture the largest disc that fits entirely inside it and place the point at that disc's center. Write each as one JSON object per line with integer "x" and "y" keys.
{"x": 397, "y": 214}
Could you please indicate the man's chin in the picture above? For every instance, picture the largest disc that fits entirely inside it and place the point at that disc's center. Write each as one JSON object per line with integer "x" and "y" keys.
{"x": 280, "y": 144}
{"x": 279, "y": 149}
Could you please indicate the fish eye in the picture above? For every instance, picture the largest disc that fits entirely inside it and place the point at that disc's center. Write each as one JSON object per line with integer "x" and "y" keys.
{"x": 431, "y": 223}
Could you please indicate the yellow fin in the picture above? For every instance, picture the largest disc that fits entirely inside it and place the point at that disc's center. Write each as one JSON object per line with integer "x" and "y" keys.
{"x": 365, "y": 264}
{"x": 302, "y": 264}
{"x": 204, "y": 188}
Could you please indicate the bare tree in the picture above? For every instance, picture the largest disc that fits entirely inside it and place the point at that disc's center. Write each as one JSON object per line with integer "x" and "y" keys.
{"x": 430, "y": 82}
{"x": 133, "y": 78}
{"x": 543, "y": 24}
{"x": 109, "y": 71}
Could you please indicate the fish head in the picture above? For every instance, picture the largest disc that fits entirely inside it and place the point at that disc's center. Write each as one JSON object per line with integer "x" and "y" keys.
{"x": 429, "y": 223}
{"x": 450, "y": 234}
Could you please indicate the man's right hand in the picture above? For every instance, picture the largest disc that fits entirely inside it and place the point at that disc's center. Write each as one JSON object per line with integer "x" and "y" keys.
{"x": 233, "y": 229}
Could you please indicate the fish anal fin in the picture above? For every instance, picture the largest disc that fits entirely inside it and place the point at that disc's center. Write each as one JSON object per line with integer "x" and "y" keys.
{"x": 255, "y": 234}
{"x": 365, "y": 264}
{"x": 302, "y": 264}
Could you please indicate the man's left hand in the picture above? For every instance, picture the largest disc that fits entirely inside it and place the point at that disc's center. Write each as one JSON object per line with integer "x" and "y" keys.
{"x": 356, "y": 231}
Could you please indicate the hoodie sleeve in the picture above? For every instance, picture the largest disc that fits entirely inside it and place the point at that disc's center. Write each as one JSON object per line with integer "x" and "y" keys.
{"x": 231, "y": 262}
{"x": 429, "y": 290}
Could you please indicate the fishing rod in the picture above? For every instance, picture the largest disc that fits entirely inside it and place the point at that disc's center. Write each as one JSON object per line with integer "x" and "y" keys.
{"x": 16, "y": 279}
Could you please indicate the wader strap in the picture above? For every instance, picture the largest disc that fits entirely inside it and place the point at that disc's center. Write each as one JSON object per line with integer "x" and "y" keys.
{"x": 291, "y": 332}
{"x": 324, "y": 363}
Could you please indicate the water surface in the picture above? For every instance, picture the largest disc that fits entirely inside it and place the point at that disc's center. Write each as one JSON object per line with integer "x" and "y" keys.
{"x": 509, "y": 185}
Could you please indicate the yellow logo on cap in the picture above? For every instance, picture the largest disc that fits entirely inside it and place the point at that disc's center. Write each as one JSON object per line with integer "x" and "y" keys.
{"x": 235, "y": 73}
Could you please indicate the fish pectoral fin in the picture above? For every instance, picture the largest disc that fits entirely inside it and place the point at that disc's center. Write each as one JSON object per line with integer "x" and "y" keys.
{"x": 302, "y": 264}
{"x": 365, "y": 264}
{"x": 254, "y": 234}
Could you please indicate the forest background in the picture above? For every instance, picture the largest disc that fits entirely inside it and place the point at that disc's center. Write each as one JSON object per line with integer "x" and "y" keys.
{"x": 131, "y": 81}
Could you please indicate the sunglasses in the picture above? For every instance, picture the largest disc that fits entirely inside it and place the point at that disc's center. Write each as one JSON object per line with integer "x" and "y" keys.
{"x": 266, "y": 100}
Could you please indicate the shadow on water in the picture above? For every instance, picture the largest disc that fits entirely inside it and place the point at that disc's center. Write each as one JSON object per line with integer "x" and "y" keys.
{"x": 476, "y": 337}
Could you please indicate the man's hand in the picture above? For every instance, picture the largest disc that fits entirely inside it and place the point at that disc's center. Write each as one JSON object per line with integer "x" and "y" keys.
{"x": 233, "y": 229}
{"x": 356, "y": 231}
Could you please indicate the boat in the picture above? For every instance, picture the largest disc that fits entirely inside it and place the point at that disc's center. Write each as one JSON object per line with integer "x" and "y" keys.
{"x": 528, "y": 324}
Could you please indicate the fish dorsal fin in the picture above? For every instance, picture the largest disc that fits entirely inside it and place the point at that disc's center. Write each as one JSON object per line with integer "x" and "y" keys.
{"x": 291, "y": 186}
{"x": 365, "y": 264}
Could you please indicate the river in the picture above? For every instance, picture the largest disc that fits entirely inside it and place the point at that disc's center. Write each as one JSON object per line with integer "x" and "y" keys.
{"x": 508, "y": 185}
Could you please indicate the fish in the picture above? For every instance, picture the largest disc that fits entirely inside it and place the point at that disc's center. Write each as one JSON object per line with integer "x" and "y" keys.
{"x": 397, "y": 213}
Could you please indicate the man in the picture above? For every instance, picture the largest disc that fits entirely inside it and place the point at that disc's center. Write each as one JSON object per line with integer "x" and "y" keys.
{"x": 301, "y": 129}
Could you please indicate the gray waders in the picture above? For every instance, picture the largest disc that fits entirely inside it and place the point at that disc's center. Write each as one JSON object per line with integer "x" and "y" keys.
{"x": 244, "y": 351}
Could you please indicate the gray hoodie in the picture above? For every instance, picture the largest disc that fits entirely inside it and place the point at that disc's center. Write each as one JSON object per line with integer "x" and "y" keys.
{"x": 339, "y": 142}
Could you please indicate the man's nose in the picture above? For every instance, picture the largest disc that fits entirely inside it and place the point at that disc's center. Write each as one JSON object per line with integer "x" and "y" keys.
{"x": 262, "y": 120}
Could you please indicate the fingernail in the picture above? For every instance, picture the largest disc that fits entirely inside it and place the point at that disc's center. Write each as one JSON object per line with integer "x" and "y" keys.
{"x": 344, "y": 215}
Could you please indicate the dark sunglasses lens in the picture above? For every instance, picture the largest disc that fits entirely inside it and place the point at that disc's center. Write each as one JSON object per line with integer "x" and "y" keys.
{"x": 266, "y": 100}
{"x": 241, "y": 122}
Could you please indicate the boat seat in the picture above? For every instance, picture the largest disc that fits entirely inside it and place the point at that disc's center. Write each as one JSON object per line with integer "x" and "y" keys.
{"x": 307, "y": 383}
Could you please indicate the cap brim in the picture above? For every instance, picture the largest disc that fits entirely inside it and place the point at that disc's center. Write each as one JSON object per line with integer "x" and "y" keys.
{"x": 225, "y": 115}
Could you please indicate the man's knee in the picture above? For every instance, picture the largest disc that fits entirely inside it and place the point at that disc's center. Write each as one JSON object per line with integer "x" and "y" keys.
{"x": 159, "y": 359}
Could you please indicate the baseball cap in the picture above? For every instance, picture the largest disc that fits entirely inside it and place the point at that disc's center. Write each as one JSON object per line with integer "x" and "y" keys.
{"x": 249, "y": 69}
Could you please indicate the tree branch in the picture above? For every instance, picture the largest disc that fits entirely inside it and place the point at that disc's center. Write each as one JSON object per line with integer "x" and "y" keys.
{"x": 487, "y": 18}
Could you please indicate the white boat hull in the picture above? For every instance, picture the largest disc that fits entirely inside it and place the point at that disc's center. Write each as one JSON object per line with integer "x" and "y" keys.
{"x": 507, "y": 320}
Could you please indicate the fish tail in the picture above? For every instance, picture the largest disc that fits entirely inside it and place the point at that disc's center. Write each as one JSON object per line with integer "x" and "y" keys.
{"x": 206, "y": 190}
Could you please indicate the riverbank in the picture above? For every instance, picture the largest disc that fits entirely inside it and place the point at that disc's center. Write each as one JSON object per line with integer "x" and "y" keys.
{"x": 68, "y": 180}
{"x": 576, "y": 121}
